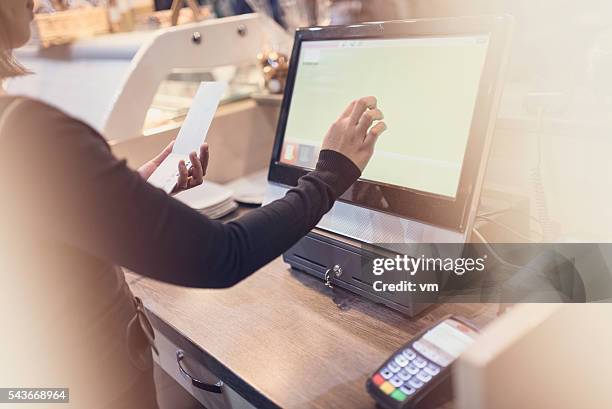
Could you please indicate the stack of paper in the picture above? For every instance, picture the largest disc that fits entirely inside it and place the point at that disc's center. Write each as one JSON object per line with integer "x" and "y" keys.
{"x": 210, "y": 199}
{"x": 250, "y": 189}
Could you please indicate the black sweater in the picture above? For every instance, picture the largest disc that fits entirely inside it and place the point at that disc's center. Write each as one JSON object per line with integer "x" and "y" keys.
{"x": 71, "y": 211}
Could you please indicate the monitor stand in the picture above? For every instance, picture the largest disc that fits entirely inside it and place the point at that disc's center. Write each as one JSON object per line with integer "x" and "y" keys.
{"x": 348, "y": 236}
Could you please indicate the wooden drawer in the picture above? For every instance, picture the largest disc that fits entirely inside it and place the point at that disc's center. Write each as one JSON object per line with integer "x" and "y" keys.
{"x": 169, "y": 362}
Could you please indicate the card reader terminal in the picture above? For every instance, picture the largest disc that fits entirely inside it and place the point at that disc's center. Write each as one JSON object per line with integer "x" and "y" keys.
{"x": 421, "y": 365}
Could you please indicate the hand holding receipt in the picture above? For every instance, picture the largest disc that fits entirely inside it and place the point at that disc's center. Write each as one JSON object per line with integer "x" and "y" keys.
{"x": 191, "y": 135}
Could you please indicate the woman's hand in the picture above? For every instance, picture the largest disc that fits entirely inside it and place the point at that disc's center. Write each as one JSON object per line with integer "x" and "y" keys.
{"x": 353, "y": 134}
{"x": 187, "y": 178}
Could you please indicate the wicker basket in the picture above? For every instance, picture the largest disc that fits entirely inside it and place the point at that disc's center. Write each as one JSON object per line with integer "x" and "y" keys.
{"x": 67, "y": 26}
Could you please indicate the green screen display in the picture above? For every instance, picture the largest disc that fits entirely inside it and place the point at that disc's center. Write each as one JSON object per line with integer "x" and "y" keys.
{"x": 426, "y": 87}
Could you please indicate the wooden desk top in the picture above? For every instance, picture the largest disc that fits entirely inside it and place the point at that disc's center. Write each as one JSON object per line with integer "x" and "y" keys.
{"x": 280, "y": 340}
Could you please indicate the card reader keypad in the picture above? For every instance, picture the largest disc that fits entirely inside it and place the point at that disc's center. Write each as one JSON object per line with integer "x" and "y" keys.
{"x": 404, "y": 374}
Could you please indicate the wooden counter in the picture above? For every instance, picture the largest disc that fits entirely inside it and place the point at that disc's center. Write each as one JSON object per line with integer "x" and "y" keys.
{"x": 279, "y": 339}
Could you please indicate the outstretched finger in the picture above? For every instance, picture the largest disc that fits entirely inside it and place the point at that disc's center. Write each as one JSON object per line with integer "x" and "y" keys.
{"x": 183, "y": 178}
{"x": 360, "y": 107}
{"x": 164, "y": 154}
{"x": 349, "y": 109}
{"x": 374, "y": 133}
{"x": 196, "y": 171}
{"x": 204, "y": 157}
{"x": 368, "y": 118}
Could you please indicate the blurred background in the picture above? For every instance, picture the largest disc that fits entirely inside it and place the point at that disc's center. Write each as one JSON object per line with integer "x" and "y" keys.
{"x": 550, "y": 159}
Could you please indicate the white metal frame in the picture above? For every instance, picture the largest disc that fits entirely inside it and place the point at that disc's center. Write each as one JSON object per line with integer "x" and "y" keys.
{"x": 226, "y": 41}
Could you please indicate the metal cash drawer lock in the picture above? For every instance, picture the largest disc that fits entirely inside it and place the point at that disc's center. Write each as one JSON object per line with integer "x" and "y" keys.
{"x": 242, "y": 30}
{"x": 336, "y": 271}
{"x": 196, "y": 37}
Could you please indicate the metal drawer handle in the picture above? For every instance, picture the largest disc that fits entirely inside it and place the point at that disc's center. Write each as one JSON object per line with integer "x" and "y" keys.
{"x": 216, "y": 388}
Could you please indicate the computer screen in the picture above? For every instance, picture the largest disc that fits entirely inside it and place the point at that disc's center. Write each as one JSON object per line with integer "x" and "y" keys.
{"x": 427, "y": 88}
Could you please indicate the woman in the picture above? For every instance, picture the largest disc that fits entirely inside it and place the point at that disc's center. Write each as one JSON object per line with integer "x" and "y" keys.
{"x": 71, "y": 211}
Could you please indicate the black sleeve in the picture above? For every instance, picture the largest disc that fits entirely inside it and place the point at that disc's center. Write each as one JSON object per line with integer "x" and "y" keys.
{"x": 73, "y": 190}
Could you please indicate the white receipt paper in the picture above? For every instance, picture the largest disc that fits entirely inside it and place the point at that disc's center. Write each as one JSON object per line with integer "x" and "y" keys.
{"x": 191, "y": 135}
